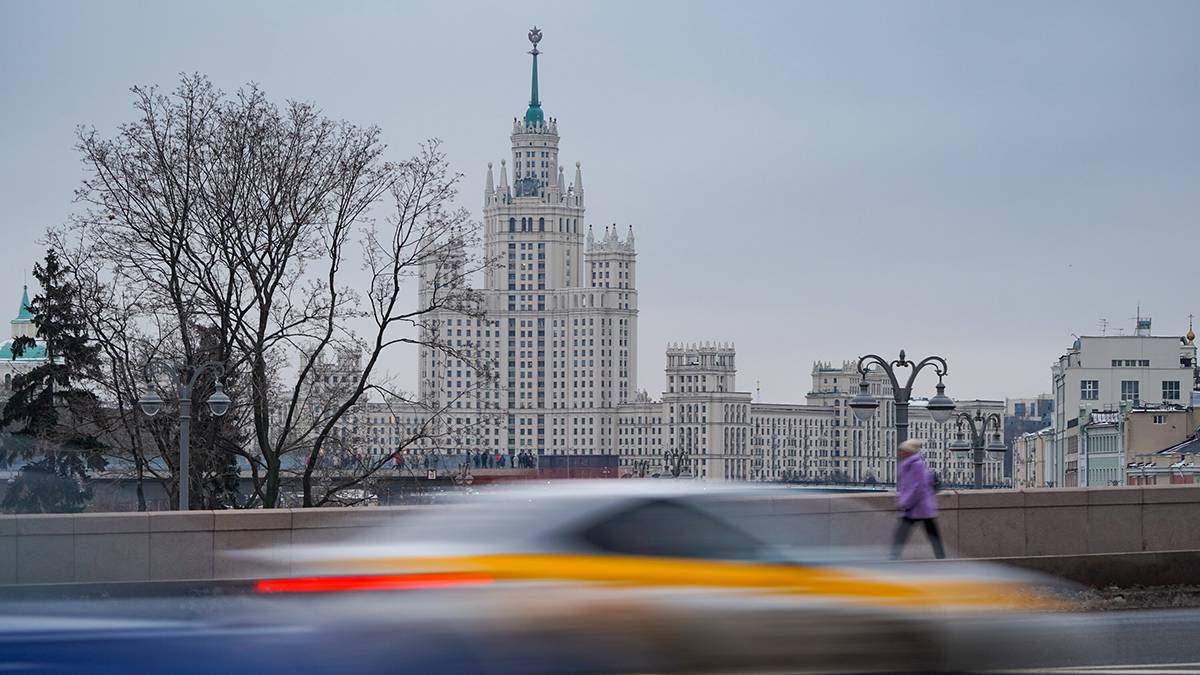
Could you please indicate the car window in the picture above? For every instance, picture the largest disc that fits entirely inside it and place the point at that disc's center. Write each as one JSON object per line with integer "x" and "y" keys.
{"x": 665, "y": 528}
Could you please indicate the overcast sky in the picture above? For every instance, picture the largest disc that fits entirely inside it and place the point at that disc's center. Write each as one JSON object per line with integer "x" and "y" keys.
{"x": 810, "y": 181}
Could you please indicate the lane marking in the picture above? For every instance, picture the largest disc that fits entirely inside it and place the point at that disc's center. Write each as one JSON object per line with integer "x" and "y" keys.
{"x": 1119, "y": 669}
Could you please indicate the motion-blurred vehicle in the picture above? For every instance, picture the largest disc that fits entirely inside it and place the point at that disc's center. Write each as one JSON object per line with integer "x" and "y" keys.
{"x": 670, "y": 576}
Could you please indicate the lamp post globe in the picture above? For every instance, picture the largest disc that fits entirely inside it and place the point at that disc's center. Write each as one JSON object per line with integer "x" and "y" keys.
{"x": 996, "y": 444}
{"x": 218, "y": 401}
{"x": 864, "y": 404}
{"x": 941, "y": 406}
{"x": 960, "y": 442}
{"x": 150, "y": 403}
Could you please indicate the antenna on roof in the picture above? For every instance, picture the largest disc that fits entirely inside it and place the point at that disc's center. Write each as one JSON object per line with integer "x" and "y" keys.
{"x": 1103, "y": 327}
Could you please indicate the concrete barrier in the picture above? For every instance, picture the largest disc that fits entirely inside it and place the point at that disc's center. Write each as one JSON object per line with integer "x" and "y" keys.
{"x": 159, "y": 546}
{"x": 166, "y": 545}
{"x": 1125, "y": 570}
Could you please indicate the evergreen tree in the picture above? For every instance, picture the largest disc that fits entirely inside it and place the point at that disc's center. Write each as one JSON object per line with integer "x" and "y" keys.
{"x": 45, "y": 419}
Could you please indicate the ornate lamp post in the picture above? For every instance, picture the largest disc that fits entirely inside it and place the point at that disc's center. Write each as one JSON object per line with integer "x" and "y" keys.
{"x": 463, "y": 475}
{"x": 980, "y": 441}
{"x": 640, "y": 468}
{"x": 218, "y": 405}
{"x": 940, "y": 407}
{"x": 675, "y": 461}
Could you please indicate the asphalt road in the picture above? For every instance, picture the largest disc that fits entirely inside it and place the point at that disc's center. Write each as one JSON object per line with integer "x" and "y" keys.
{"x": 1127, "y": 641}
{"x": 201, "y": 635}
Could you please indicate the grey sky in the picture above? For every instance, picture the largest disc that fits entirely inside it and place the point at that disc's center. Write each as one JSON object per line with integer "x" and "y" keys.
{"x": 811, "y": 181}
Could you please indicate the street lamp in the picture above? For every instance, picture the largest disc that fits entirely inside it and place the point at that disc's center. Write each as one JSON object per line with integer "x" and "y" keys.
{"x": 640, "y": 468}
{"x": 675, "y": 460}
{"x": 864, "y": 405}
{"x": 980, "y": 440}
{"x": 218, "y": 405}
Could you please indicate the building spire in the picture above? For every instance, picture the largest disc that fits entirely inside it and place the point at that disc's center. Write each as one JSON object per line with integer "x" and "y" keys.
{"x": 490, "y": 186}
{"x": 534, "y": 115}
{"x": 24, "y": 314}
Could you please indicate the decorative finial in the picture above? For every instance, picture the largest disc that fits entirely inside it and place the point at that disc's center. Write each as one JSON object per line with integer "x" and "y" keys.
{"x": 1191, "y": 334}
{"x": 534, "y": 117}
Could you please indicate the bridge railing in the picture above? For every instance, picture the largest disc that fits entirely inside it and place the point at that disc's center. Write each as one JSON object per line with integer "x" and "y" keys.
{"x": 144, "y": 546}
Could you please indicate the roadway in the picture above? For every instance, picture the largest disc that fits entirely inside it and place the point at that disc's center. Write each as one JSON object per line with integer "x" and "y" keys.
{"x": 1127, "y": 641}
{"x": 236, "y": 633}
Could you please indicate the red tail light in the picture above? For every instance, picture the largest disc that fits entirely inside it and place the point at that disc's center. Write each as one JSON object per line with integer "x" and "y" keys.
{"x": 400, "y": 582}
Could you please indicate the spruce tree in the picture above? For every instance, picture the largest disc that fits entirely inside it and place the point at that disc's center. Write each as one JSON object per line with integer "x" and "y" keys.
{"x": 45, "y": 419}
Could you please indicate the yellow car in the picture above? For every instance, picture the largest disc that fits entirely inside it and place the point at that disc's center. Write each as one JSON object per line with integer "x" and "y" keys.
{"x": 673, "y": 576}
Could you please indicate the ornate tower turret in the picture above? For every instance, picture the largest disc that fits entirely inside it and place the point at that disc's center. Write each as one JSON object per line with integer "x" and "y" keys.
{"x": 22, "y": 325}
{"x": 539, "y": 218}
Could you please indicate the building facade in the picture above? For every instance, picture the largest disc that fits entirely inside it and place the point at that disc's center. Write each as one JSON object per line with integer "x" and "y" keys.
{"x": 1029, "y": 452}
{"x": 1023, "y": 416}
{"x": 1099, "y": 374}
{"x": 559, "y": 323}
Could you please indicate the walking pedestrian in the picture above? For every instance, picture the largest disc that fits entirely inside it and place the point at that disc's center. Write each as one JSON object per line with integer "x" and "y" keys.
{"x": 916, "y": 499}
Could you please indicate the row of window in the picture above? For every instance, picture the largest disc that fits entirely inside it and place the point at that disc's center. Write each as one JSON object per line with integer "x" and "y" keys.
{"x": 1089, "y": 390}
{"x": 527, "y": 225}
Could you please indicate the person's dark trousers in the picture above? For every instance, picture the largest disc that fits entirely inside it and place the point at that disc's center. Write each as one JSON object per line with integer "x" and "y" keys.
{"x": 905, "y": 524}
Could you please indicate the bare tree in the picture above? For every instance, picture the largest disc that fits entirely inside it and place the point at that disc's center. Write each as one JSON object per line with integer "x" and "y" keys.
{"x": 232, "y": 228}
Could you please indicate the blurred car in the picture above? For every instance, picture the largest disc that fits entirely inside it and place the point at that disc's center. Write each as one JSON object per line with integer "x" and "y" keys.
{"x": 669, "y": 576}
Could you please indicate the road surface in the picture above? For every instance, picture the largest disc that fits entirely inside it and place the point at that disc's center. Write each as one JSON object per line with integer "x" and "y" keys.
{"x": 202, "y": 635}
{"x": 1129, "y": 641}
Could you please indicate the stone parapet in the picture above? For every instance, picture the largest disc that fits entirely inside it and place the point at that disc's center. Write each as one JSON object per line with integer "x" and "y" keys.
{"x": 199, "y": 545}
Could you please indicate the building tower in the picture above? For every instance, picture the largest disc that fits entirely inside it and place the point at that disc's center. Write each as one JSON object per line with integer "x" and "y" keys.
{"x": 561, "y": 320}
{"x": 21, "y": 326}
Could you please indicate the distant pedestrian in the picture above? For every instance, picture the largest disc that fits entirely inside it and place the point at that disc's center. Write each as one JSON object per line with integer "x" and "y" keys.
{"x": 916, "y": 498}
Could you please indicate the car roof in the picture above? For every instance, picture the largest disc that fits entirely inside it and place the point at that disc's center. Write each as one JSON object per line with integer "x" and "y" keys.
{"x": 538, "y": 514}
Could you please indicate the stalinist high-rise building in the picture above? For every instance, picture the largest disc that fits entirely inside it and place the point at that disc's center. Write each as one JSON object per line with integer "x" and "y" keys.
{"x": 561, "y": 309}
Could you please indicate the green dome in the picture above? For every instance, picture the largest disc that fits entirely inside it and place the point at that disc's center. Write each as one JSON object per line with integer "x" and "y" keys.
{"x": 534, "y": 116}
{"x": 37, "y": 352}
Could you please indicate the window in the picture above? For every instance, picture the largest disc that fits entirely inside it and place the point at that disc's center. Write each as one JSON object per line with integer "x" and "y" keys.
{"x": 1089, "y": 390}
{"x": 670, "y": 529}
{"x": 1144, "y": 363}
{"x": 1170, "y": 390}
{"x": 1160, "y": 419}
{"x": 1129, "y": 390}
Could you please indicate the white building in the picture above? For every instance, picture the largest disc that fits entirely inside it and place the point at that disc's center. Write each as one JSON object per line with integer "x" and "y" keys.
{"x": 1098, "y": 374}
{"x": 1029, "y": 458}
{"x": 560, "y": 324}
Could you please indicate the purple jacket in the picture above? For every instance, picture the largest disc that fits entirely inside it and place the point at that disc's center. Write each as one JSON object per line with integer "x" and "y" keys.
{"x": 915, "y": 495}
